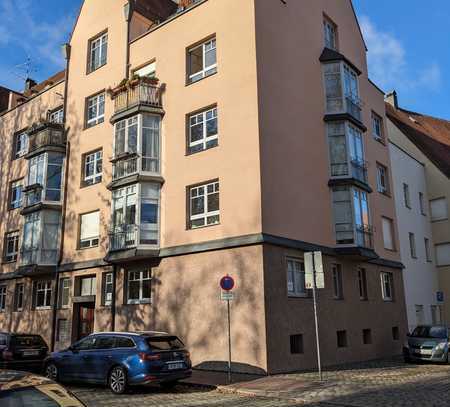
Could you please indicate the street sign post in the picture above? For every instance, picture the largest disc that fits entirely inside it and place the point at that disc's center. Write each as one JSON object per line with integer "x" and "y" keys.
{"x": 314, "y": 279}
{"x": 227, "y": 284}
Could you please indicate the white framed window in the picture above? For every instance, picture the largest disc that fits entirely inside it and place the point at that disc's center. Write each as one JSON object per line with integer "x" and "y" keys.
{"x": 438, "y": 209}
{"x": 338, "y": 292}
{"x": 330, "y": 34}
{"x": 88, "y": 286}
{"x": 204, "y": 205}
{"x": 43, "y": 294}
{"x": 15, "y": 194}
{"x": 64, "y": 289}
{"x": 126, "y": 136}
{"x": 202, "y": 60}
{"x": 443, "y": 254}
{"x": 20, "y": 144}
{"x": 377, "y": 127}
{"x": 427, "y": 249}
{"x": 89, "y": 229}
{"x": 56, "y": 116}
{"x": 95, "y": 106}
{"x": 388, "y": 233}
{"x": 98, "y": 51}
{"x": 139, "y": 287}
{"x": 422, "y": 204}
{"x": 107, "y": 289}
{"x": 19, "y": 297}
{"x": 203, "y": 130}
{"x": 11, "y": 249}
{"x": 406, "y": 196}
{"x": 362, "y": 284}
{"x": 296, "y": 285}
{"x": 93, "y": 167}
{"x": 351, "y": 87}
{"x": 2, "y": 298}
{"x": 412, "y": 245}
{"x": 382, "y": 179}
{"x": 387, "y": 289}
{"x": 147, "y": 71}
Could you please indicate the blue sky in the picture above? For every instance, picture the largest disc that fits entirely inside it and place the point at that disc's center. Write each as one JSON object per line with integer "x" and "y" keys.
{"x": 408, "y": 43}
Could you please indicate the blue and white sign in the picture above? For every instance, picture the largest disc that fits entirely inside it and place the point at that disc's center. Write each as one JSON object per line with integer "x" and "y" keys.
{"x": 440, "y": 296}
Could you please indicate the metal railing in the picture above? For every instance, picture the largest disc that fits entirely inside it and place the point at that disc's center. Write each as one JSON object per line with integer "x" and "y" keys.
{"x": 50, "y": 135}
{"x": 123, "y": 237}
{"x": 142, "y": 93}
{"x": 364, "y": 236}
{"x": 350, "y": 234}
{"x": 359, "y": 170}
{"x": 354, "y": 107}
{"x": 124, "y": 168}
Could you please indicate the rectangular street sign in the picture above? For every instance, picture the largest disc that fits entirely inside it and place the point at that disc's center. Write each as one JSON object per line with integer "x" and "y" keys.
{"x": 313, "y": 260}
{"x": 227, "y": 296}
{"x": 440, "y": 296}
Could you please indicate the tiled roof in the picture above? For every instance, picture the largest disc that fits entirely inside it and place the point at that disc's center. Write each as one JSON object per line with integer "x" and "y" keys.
{"x": 48, "y": 82}
{"x": 429, "y": 134}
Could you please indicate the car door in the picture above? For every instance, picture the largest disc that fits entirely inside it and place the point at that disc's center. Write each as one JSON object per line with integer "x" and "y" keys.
{"x": 75, "y": 360}
{"x": 100, "y": 359}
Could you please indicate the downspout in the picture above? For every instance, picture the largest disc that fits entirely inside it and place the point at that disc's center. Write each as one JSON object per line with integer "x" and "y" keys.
{"x": 113, "y": 300}
{"x": 128, "y": 12}
{"x": 66, "y": 51}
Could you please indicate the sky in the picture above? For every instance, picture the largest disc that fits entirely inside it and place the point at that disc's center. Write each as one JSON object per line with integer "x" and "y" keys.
{"x": 408, "y": 42}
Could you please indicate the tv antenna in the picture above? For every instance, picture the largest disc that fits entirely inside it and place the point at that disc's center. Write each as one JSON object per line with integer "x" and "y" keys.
{"x": 25, "y": 70}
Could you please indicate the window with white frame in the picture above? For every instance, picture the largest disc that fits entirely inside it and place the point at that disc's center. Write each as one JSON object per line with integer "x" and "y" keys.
{"x": 108, "y": 288}
{"x": 19, "y": 296}
{"x": 443, "y": 254}
{"x": 15, "y": 194}
{"x": 2, "y": 298}
{"x": 336, "y": 271}
{"x": 387, "y": 286}
{"x": 412, "y": 245}
{"x": 203, "y": 130}
{"x": 64, "y": 289}
{"x": 202, "y": 60}
{"x": 439, "y": 209}
{"x": 89, "y": 229}
{"x": 330, "y": 33}
{"x": 406, "y": 196}
{"x": 139, "y": 286}
{"x": 126, "y": 136}
{"x": 362, "y": 284}
{"x": 93, "y": 168}
{"x": 377, "y": 127}
{"x": 20, "y": 144}
{"x": 151, "y": 129}
{"x": 95, "y": 106}
{"x": 204, "y": 205}
{"x": 427, "y": 249}
{"x": 296, "y": 285}
{"x": 147, "y": 71}
{"x": 98, "y": 51}
{"x": 351, "y": 84}
{"x": 388, "y": 233}
{"x": 382, "y": 179}
{"x": 11, "y": 249}
{"x": 56, "y": 116}
{"x": 43, "y": 294}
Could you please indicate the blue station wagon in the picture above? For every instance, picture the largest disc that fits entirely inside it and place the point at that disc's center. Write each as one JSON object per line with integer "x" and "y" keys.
{"x": 120, "y": 360}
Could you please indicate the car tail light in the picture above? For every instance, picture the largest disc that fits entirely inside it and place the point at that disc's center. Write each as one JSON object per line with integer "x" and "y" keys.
{"x": 187, "y": 355}
{"x": 149, "y": 356}
{"x": 8, "y": 355}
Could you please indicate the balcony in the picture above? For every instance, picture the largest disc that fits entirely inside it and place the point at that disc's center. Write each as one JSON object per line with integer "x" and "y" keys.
{"x": 123, "y": 237}
{"x": 140, "y": 94}
{"x": 46, "y": 136}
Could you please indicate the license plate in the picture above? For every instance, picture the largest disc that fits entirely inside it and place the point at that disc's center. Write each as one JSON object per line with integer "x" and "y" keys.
{"x": 175, "y": 366}
{"x": 30, "y": 352}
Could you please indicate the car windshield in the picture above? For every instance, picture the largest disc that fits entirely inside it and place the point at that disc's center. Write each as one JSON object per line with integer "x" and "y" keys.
{"x": 164, "y": 343}
{"x": 44, "y": 396}
{"x": 27, "y": 340}
{"x": 438, "y": 332}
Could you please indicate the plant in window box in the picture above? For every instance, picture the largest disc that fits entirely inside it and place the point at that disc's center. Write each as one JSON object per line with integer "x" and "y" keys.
{"x": 150, "y": 80}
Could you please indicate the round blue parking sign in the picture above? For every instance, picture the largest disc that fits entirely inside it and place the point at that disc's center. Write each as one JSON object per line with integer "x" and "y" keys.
{"x": 227, "y": 283}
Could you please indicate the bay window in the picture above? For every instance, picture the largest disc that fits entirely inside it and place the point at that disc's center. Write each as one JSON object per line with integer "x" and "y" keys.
{"x": 341, "y": 90}
{"x": 137, "y": 145}
{"x": 135, "y": 216}
{"x": 44, "y": 178}
{"x": 351, "y": 217}
{"x": 346, "y": 151}
{"x": 41, "y": 238}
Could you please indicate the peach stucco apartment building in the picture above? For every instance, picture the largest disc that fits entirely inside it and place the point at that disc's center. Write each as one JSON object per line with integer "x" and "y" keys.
{"x": 202, "y": 139}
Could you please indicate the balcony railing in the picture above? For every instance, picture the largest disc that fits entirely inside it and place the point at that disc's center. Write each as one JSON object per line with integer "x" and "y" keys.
{"x": 33, "y": 196}
{"x": 38, "y": 256}
{"x": 354, "y": 107}
{"x": 124, "y": 168}
{"x": 141, "y": 94}
{"x": 364, "y": 236}
{"x": 47, "y": 134}
{"x": 123, "y": 237}
{"x": 359, "y": 170}
{"x": 350, "y": 234}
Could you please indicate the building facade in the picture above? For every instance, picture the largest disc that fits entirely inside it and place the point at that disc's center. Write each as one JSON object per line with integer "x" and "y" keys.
{"x": 423, "y": 200}
{"x": 195, "y": 150}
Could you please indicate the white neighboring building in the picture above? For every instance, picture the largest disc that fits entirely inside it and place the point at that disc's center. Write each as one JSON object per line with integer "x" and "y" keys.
{"x": 420, "y": 276}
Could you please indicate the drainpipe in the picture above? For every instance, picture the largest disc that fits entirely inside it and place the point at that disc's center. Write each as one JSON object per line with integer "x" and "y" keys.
{"x": 113, "y": 300}
{"x": 127, "y": 12}
{"x": 66, "y": 52}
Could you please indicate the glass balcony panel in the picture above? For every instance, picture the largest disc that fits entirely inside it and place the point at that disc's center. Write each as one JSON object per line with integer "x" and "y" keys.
{"x": 124, "y": 168}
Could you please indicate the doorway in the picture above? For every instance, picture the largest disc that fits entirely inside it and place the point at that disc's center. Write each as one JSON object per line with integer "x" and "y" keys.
{"x": 85, "y": 320}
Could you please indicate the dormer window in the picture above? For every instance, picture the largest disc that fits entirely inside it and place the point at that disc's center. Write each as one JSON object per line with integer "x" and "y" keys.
{"x": 330, "y": 33}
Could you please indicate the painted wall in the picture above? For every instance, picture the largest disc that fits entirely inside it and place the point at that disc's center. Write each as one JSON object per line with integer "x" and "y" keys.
{"x": 420, "y": 276}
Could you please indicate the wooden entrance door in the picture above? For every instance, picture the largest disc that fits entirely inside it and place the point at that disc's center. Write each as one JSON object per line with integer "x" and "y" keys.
{"x": 85, "y": 320}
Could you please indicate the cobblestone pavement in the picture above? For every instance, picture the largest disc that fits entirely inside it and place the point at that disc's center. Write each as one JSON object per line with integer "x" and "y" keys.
{"x": 376, "y": 384}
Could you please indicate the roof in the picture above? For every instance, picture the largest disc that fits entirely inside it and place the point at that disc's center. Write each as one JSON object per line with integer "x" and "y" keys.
{"x": 47, "y": 82}
{"x": 429, "y": 134}
{"x": 138, "y": 333}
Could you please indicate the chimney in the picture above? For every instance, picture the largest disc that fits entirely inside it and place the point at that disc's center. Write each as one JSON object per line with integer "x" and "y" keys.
{"x": 29, "y": 83}
{"x": 392, "y": 98}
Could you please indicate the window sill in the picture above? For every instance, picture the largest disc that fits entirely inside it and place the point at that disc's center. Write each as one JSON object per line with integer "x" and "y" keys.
{"x": 139, "y": 302}
{"x": 188, "y": 154}
{"x": 390, "y": 250}
{"x": 203, "y": 227}
{"x": 379, "y": 140}
{"x": 386, "y": 194}
{"x": 189, "y": 82}
{"x": 84, "y": 185}
{"x": 87, "y": 248}
{"x": 89, "y": 71}
{"x": 388, "y": 300}
{"x": 87, "y": 126}
{"x": 42, "y": 308}
{"x": 299, "y": 296}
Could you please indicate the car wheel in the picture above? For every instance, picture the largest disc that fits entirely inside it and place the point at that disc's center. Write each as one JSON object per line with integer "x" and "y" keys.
{"x": 51, "y": 372}
{"x": 169, "y": 385}
{"x": 118, "y": 380}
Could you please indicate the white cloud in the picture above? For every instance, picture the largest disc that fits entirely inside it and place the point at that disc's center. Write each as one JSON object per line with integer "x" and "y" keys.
{"x": 388, "y": 62}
